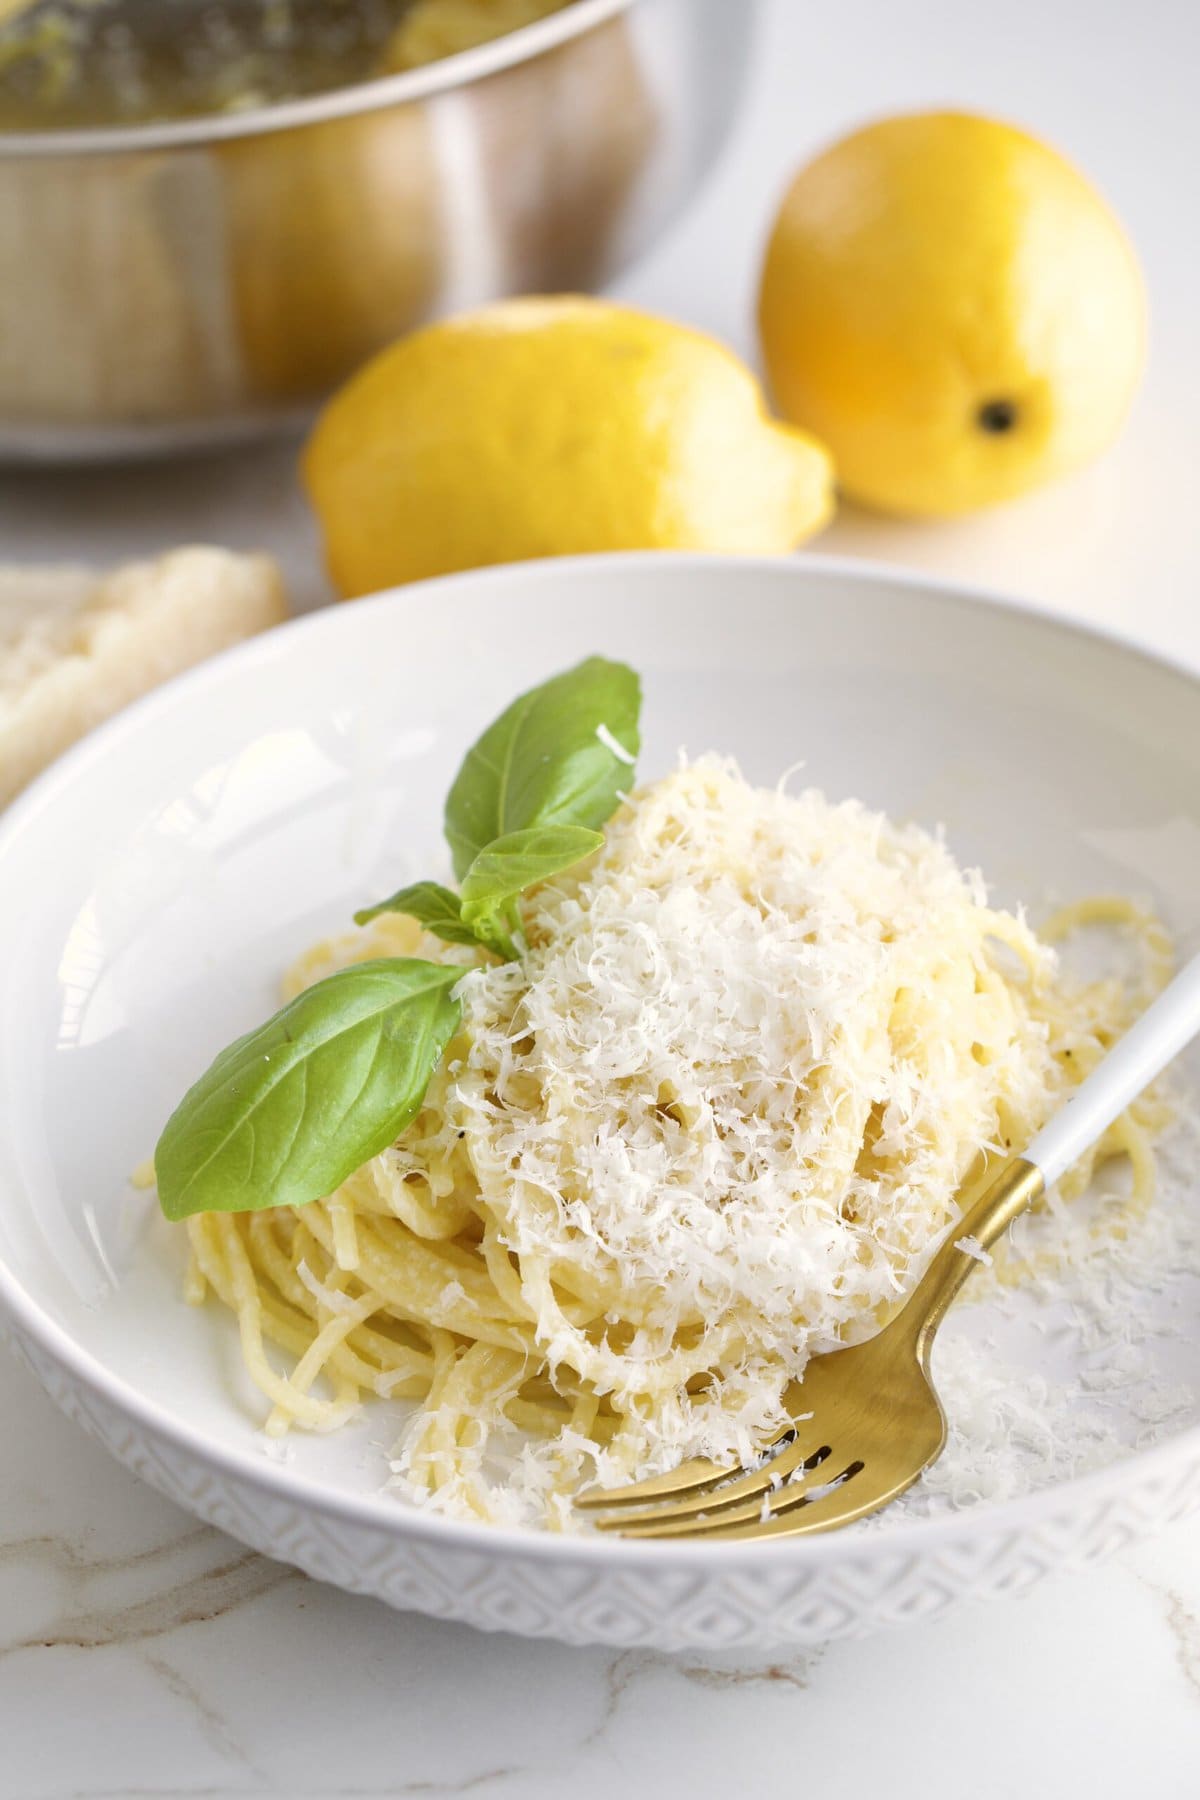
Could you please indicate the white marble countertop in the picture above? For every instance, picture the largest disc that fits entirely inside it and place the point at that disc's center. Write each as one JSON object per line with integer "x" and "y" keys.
{"x": 143, "y": 1654}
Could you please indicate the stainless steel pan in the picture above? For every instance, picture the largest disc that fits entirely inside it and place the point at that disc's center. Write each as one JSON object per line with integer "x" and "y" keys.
{"x": 168, "y": 285}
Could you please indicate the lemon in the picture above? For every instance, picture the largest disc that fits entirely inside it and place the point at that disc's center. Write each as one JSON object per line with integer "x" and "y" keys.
{"x": 540, "y": 427}
{"x": 954, "y": 309}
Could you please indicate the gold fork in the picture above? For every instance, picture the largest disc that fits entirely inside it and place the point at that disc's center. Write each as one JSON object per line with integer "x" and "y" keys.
{"x": 867, "y": 1420}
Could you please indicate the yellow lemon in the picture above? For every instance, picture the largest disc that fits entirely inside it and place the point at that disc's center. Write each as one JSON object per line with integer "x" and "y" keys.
{"x": 954, "y": 309}
{"x": 541, "y": 427}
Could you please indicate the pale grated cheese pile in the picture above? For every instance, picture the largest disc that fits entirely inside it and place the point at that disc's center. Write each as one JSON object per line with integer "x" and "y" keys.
{"x": 727, "y": 1098}
{"x": 714, "y": 1121}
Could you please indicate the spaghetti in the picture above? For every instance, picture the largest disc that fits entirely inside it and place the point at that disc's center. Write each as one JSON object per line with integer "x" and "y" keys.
{"x": 713, "y": 1122}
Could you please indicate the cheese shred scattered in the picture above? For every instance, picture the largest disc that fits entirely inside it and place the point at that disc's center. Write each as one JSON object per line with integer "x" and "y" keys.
{"x": 714, "y": 1122}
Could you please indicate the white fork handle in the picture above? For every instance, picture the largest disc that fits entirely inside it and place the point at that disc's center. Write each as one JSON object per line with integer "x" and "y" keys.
{"x": 1131, "y": 1065}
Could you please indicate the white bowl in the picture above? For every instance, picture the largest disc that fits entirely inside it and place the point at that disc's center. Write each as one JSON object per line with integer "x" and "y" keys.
{"x": 154, "y": 884}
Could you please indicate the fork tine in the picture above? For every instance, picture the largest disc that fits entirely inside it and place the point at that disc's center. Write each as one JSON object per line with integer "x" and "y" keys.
{"x": 696, "y": 1477}
{"x": 689, "y": 1478}
{"x": 845, "y": 1504}
{"x": 767, "y": 1514}
{"x": 744, "y": 1489}
{"x": 826, "y": 1514}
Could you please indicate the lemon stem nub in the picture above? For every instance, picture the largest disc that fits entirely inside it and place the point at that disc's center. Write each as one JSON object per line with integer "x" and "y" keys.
{"x": 997, "y": 416}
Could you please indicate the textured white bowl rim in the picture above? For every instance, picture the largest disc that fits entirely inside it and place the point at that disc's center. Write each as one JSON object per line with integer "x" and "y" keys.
{"x": 380, "y": 1513}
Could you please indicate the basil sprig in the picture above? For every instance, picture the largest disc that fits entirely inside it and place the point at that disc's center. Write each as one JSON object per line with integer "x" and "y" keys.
{"x": 287, "y": 1112}
{"x": 527, "y": 802}
{"x": 548, "y": 760}
{"x": 437, "y": 908}
{"x": 502, "y": 872}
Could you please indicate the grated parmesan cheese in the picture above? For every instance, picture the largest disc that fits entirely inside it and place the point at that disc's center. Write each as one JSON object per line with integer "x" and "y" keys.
{"x": 715, "y": 1121}
{"x": 332, "y": 1299}
{"x": 972, "y": 1247}
{"x": 615, "y": 745}
{"x": 728, "y": 1096}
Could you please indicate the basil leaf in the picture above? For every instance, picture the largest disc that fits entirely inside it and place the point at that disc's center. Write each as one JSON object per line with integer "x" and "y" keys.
{"x": 546, "y": 761}
{"x": 433, "y": 906}
{"x": 516, "y": 862}
{"x": 290, "y": 1110}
